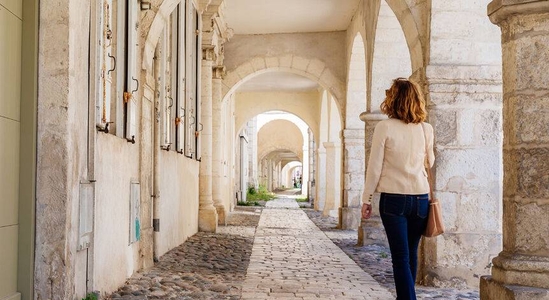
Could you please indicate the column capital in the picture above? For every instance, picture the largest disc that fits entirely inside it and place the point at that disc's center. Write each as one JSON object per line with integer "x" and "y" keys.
{"x": 499, "y": 10}
{"x": 331, "y": 145}
{"x": 209, "y": 53}
{"x": 369, "y": 116}
{"x": 218, "y": 72}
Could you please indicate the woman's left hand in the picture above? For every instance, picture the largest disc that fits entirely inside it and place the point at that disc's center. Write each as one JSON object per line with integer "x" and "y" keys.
{"x": 366, "y": 210}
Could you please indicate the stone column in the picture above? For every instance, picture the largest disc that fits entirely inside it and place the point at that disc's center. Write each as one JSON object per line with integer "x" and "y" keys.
{"x": 320, "y": 201}
{"x": 207, "y": 215}
{"x": 312, "y": 172}
{"x": 332, "y": 179}
{"x": 353, "y": 164}
{"x": 217, "y": 144}
{"x": 521, "y": 270}
{"x": 371, "y": 230}
{"x": 305, "y": 171}
{"x": 464, "y": 105}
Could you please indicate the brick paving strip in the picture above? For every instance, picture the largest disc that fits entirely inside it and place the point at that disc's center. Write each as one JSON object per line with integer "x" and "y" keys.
{"x": 293, "y": 259}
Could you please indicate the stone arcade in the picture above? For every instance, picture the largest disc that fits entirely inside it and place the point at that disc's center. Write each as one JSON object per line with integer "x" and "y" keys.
{"x": 127, "y": 126}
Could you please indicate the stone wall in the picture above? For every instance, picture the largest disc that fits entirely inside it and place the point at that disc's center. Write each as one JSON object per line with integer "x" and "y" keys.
{"x": 67, "y": 158}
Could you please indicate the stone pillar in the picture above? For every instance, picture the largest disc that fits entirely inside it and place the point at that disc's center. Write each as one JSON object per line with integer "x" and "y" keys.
{"x": 353, "y": 164}
{"x": 521, "y": 270}
{"x": 312, "y": 172}
{"x": 464, "y": 105}
{"x": 320, "y": 201}
{"x": 305, "y": 170}
{"x": 332, "y": 180}
{"x": 207, "y": 215}
{"x": 371, "y": 230}
{"x": 217, "y": 144}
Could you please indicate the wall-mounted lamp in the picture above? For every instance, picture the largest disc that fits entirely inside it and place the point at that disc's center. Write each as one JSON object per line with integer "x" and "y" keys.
{"x": 145, "y": 4}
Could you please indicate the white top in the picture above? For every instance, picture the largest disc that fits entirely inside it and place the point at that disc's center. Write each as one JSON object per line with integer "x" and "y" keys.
{"x": 397, "y": 159}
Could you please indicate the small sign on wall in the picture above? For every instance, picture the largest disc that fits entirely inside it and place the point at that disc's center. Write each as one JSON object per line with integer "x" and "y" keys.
{"x": 135, "y": 220}
{"x": 85, "y": 226}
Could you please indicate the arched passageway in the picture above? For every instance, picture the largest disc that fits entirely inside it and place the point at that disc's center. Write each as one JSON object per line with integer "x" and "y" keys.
{"x": 141, "y": 106}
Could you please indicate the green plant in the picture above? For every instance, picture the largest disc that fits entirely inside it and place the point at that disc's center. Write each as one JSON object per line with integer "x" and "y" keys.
{"x": 248, "y": 203}
{"x": 261, "y": 194}
{"x": 91, "y": 296}
{"x": 302, "y": 199}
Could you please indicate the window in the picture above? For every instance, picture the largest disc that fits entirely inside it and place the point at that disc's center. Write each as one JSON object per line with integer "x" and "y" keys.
{"x": 194, "y": 57}
{"x": 179, "y": 82}
{"x": 172, "y": 81}
{"x": 131, "y": 81}
{"x": 103, "y": 62}
{"x": 113, "y": 56}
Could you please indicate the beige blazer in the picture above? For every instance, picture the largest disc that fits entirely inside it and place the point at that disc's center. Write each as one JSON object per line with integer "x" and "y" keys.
{"x": 397, "y": 159}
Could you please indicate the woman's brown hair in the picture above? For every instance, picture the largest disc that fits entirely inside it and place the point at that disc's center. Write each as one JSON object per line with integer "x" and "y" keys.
{"x": 404, "y": 101}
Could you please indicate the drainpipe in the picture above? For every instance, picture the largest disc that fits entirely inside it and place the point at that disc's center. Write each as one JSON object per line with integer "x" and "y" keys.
{"x": 156, "y": 158}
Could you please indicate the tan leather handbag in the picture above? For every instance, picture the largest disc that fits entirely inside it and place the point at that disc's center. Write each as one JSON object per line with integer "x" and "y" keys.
{"x": 435, "y": 225}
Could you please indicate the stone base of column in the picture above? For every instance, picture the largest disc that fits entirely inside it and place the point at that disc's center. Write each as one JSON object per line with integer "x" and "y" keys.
{"x": 493, "y": 290}
{"x": 221, "y": 215}
{"x": 371, "y": 232}
{"x": 207, "y": 219}
{"x": 16, "y": 296}
{"x": 350, "y": 217}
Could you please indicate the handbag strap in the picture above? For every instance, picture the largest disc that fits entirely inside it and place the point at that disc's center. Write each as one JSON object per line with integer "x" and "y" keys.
{"x": 429, "y": 177}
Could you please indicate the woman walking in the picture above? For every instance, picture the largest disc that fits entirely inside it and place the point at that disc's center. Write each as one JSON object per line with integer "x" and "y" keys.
{"x": 401, "y": 147}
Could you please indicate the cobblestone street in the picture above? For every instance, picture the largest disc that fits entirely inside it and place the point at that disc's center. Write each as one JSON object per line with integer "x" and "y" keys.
{"x": 275, "y": 252}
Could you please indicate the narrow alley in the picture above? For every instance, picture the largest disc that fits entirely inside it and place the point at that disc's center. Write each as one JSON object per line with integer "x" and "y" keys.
{"x": 275, "y": 251}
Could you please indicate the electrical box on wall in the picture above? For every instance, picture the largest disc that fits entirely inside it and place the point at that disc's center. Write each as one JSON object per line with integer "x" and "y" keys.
{"x": 135, "y": 219}
{"x": 85, "y": 226}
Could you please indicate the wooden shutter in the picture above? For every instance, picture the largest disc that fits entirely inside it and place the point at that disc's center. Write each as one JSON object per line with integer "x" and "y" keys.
{"x": 190, "y": 106}
{"x": 198, "y": 87}
{"x": 163, "y": 96}
{"x": 132, "y": 81}
{"x": 181, "y": 78}
{"x": 104, "y": 61}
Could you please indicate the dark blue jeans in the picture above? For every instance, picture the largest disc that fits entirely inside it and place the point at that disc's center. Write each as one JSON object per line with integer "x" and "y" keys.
{"x": 404, "y": 218}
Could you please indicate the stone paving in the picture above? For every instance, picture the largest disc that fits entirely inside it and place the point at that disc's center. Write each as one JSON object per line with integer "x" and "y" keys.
{"x": 376, "y": 260}
{"x": 206, "y": 266}
{"x": 275, "y": 252}
{"x": 293, "y": 259}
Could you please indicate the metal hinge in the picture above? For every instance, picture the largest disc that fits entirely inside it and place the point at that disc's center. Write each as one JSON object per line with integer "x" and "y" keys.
{"x": 127, "y": 97}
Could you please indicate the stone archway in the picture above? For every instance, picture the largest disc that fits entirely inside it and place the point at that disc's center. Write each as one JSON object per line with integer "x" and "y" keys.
{"x": 313, "y": 69}
{"x": 410, "y": 27}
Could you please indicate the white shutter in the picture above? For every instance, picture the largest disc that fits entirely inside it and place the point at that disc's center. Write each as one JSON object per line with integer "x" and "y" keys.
{"x": 163, "y": 92}
{"x": 181, "y": 76}
{"x": 132, "y": 82}
{"x": 199, "y": 126}
{"x": 190, "y": 120}
{"x": 104, "y": 60}
{"x": 173, "y": 88}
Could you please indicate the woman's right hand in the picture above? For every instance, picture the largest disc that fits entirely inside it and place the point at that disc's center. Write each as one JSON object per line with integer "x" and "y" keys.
{"x": 366, "y": 210}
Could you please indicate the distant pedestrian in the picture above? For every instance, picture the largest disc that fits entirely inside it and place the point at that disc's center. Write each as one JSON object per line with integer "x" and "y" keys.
{"x": 396, "y": 169}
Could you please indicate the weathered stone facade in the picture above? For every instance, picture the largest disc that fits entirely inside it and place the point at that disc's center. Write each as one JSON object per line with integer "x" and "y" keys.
{"x": 521, "y": 270}
{"x": 136, "y": 145}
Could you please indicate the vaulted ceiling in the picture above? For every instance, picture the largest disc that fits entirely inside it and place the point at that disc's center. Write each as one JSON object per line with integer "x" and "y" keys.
{"x": 288, "y": 16}
{"x": 248, "y": 17}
